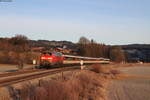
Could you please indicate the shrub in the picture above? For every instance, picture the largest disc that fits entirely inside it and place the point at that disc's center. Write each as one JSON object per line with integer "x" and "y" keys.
{"x": 83, "y": 85}
{"x": 115, "y": 72}
{"x": 100, "y": 69}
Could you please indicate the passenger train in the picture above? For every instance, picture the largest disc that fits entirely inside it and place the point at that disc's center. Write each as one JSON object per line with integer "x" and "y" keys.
{"x": 49, "y": 59}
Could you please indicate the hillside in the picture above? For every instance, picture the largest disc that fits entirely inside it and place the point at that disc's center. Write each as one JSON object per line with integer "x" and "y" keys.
{"x": 137, "y": 52}
{"x": 49, "y": 44}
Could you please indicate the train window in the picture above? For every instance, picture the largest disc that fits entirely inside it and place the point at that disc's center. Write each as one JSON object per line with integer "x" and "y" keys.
{"x": 44, "y": 53}
{"x": 47, "y": 53}
{"x": 54, "y": 54}
{"x": 57, "y": 54}
{"x": 50, "y": 53}
{"x": 60, "y": 54}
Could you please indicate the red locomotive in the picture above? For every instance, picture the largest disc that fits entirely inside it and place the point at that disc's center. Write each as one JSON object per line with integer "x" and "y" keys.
{"x": 48, "y": 59}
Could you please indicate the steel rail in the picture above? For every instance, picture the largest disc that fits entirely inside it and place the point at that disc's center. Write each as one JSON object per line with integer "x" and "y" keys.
{"x": 20, "y": 78}
{"x": 19, "y": 72}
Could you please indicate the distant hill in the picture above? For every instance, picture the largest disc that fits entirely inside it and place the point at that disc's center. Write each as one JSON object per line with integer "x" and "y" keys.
{"x": 52, "y": 44}
{"x": 137, "y": 52}
{"x": 136, "y": 46}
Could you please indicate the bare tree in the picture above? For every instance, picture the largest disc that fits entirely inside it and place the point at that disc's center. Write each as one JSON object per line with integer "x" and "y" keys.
{"x": 117, "y": 54}
{"x": 20, "y": 46}
{"x": 84, "y": 40}
{"x": 92, "y": 49}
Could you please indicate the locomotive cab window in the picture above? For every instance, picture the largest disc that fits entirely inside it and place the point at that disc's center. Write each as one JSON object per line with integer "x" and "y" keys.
{"x": 57, "y": 54}
{"x": 47, "y": 53}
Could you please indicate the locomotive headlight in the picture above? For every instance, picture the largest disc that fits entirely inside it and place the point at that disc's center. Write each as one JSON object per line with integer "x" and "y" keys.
{"x": 43, "y": 58}
{"x": 49, "y": 58}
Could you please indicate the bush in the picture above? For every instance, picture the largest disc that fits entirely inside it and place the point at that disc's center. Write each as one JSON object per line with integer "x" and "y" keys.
{"x": 100, "y": 69}
{"x": 115, "y": 72}
{"x": 84, "y": 85}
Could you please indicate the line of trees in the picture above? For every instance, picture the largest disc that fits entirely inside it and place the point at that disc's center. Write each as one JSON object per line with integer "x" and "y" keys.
{"x": 15, "y": 50}
{"x": 93, "y": 49}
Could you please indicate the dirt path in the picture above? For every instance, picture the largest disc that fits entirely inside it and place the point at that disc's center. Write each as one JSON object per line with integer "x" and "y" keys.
{"x": 134, "y": 88}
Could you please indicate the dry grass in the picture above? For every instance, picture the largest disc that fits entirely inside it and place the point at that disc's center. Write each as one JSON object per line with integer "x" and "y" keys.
{"x": 80, "y": 85}
{"x": 4, "y": 94}
{"x": 107, "y": 71}
{"x": 104, "y": 69}
{"x": 117, "y": 65}
{"x": 77, "y": 85}
{"x": 100, "y": 69}
{"x": 115, "y": 72}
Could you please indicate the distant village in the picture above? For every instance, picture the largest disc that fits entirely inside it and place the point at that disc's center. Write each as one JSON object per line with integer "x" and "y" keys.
{"x": 64, "y": 47}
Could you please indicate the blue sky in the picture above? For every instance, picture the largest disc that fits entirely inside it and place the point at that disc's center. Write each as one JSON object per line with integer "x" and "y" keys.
{"x": 105, "y": 21}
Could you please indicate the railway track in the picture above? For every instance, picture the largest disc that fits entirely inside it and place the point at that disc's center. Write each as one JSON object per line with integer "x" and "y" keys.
{"x": 19, "y": 72}
{"x": 10, "y": 78}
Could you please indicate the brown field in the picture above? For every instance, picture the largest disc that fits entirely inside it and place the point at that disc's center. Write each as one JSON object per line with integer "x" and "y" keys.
{"x": 73, "y": 85}
{"x": 127, "y": 83}
{"x": 132, "y": 84}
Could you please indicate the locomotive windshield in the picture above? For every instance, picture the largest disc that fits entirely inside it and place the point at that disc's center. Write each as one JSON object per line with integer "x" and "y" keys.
{"x": 47, "y": 53}
{"x": 58, "y": 54}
